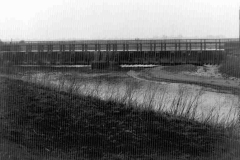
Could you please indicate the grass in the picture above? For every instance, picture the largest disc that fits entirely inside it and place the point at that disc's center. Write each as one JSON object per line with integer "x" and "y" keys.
{"x": 181, "y": 68}
{"x": 231, "y": 67}
{"x": 52, "y": 122}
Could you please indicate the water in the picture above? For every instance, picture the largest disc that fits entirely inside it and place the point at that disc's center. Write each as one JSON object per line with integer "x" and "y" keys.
{"x": 159, "y": 96}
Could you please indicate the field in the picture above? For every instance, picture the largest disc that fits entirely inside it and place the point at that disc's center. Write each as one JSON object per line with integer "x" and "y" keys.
{"x": 41, "y": 120}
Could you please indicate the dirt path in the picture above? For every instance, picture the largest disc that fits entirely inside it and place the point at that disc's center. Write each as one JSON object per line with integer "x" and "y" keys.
{"x": 160, "y": 76}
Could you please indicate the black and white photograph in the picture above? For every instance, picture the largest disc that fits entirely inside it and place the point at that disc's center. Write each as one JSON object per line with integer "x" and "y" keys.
{"x": 119, "y": 80}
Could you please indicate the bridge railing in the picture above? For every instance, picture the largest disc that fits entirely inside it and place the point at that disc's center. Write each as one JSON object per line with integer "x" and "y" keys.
{"x": 122, "y": 45}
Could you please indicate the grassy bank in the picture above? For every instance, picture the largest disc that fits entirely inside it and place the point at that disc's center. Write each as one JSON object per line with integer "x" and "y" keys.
{"x": 181, "y": 68}
{"x": 231, "y": 67}
{"x": 53, "y": 122}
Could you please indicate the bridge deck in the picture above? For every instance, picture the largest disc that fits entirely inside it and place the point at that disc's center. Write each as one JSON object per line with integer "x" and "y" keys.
{"x": 121, "y": 45}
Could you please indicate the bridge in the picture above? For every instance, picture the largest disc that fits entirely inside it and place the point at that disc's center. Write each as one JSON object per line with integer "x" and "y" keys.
{"x": 161, "y": 51}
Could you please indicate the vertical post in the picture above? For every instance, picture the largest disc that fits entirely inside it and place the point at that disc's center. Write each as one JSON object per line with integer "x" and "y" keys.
{"x": 201, "y": 44}
{"x": 109, "y": 47}
{"x": 179, "y": 45}
{"x": 83, "y": 47}
{"x": 99, "y": 47}
{"x": 38, "y": 51}
{"x": 186, "y": 45}
{"x": 59, "y": 53}
{"x": 215, "y": 44}
{"x": 186, "y": 42}
{"x": 73, "y": 53}
{"x": 205, "y": 47}
{"x": 175, "y": 42}
{"x": 155, "y": 53}
{"x": 219, "y": 44}
{"x": 190, "y": 45}
{"x": 49, "y": 53}
{"x": 96, "y": 47}
{"x": 26, "y": 54}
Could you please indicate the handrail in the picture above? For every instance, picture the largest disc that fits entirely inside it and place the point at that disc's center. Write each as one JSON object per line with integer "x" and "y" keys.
{"x": 124, "y": 40}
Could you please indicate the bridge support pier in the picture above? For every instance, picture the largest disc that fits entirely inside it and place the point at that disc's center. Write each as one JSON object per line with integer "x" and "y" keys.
{"x": 101, "y": 61}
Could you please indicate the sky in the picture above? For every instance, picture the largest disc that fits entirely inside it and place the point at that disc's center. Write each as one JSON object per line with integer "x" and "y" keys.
{"x": 117, "y": 19}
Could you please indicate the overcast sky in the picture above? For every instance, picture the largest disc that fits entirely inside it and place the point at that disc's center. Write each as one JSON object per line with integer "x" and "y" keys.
{"x": 121, "y": 19}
